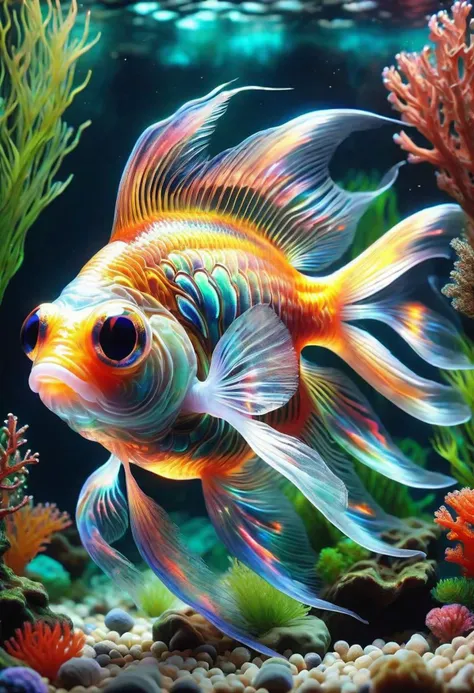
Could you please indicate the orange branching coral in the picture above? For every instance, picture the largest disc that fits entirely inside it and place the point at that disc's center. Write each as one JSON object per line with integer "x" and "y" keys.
{"x": 13, "y": 467}
{"x": 460, "y": 528}
{"x": 437, "y": 97}
{"x": 29, "y": 531}
{"x": 43, "y": 648}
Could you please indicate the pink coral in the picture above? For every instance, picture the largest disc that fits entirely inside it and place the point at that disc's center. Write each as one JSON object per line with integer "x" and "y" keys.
{"x": 450, "y": 621}
{"x": 460, "y": 528}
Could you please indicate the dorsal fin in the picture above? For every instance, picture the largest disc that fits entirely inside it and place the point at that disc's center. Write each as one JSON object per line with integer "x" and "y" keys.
{"x": 276, "y": 180}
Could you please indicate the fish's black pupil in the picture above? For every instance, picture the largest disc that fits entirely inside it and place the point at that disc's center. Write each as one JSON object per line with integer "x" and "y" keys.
{"x": 118, "y": 337}
{"x": 30, "y": 333}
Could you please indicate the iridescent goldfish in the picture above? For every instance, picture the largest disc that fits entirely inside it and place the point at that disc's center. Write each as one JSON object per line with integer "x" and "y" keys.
{"x": 178, "y": 348}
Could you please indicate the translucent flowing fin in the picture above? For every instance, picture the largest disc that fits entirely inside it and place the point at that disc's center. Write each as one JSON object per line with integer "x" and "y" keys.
{"x": 424, "y": 399}
{"x": 185, "y": 574}
{"x": 353, "y": 424}
{"x": 430, "y": 335}
{"x": 276, "y": 181}
{"x": 259, "y": 526}
{"x": 254, "y": 369}
{"x": 422, "y": 236}
{"x": 167, "y": 156}
{"x": 102, "y": 519}
{"x": 289, "y": 456}
{"x": 307, "y": 471}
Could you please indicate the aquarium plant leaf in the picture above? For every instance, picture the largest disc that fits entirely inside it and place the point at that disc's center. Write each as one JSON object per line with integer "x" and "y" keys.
{"x": 38, "y": 60}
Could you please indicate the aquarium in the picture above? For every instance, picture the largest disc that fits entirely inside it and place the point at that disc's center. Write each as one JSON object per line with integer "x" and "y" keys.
{"x": 236, "y": 298}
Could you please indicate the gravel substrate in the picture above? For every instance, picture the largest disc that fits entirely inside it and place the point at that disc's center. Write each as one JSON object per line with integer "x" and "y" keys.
{"x": 413, "y": 666}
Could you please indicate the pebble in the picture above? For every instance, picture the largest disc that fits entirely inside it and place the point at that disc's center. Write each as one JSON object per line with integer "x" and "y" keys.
{"x": 104, "y": 647}
{"x": 158, "y": 648}
{"x": 79, "y": 671}
{"x": 417, "y": 643}
{"x": 275, "y": 678}
{"x": 103, "y": 660}
{"x": 239, "y": 656}
{"x": 119, "y": 620}
{"x": 187, "y": 685}
{"x": 312, "y": 660}
{"x": 208, "y": 649}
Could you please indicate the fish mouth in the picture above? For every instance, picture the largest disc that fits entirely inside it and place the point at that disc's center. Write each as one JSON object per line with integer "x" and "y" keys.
{"x": 45, "y": 374}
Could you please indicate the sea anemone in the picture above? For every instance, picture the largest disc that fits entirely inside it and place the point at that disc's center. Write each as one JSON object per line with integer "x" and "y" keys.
{"x": 43, "y": 648}
{"x": 450, "y": 621}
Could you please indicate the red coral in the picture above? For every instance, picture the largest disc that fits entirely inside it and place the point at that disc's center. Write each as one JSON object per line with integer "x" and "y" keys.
{"x": 460, "y": 528}
{"x": 13, "y": 470}
{"x": 450, "y": 621}
{"x": 45, "y": 649}
{"x": 437, "y": 97}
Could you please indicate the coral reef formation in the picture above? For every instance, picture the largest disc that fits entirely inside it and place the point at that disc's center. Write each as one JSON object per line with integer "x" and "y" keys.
{"x": 449, "y": 621}
{"x": 459, "y": 528}
{"x": 21, "y": 599}
{"x": 434, "y": 91}
{"x": 39, "y": 55}
{"x": 44, "y": 648}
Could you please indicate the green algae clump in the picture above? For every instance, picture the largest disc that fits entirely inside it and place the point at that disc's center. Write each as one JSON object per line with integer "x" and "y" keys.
{"x": 334, "y": 561}
{"x": 458, "y": 590}
{"x": 262, "y": 606}
{"x": 154, "y": 597}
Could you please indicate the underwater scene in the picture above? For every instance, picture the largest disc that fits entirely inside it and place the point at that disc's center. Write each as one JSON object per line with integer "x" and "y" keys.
{"x": 237, "y": 339}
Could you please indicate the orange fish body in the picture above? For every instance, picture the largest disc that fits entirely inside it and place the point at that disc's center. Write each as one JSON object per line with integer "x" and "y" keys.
{"x": 178, "y": 348}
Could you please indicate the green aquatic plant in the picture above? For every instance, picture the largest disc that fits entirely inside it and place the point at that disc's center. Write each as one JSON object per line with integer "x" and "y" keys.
{"x": 51, "y": 574}
{"x": 261, "y": 605}
{"x": 381, "y": 216}
{"x": 154, "y": 597}
{"x": 458, "y": 590}
{"x": 38, "y": 61}
{"x": 333, "y": 562}
{"x": 456, "y": 443}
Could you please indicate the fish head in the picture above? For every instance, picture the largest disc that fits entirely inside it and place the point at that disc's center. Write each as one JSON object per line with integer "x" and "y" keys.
{"x": 115, "y": 371}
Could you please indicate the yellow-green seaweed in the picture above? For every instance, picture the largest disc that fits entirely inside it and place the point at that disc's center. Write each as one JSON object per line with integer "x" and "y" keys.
{"x": 154, "y": 597}
{"x": 38, "y": 61}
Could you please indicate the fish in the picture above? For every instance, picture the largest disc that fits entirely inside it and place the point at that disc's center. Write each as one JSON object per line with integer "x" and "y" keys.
{"x": 178, "y": 348}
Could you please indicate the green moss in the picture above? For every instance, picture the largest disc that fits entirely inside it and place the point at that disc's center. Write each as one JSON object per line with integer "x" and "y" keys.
{"x": 458, "y": 590}
{"x": 155, "y": 597}
{"x": 334, "y": 561}
{"x": 261, "y": 605}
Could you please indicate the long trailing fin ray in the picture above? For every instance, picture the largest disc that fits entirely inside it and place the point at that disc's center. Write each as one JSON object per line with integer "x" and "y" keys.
{"x": 353, "y": 424}
{"x": 276, "y": 181}
{"x": 420, "y": 237}
{"x": 259, "y": 525}
{"x": 185, "y": 574}
{"x": 292, "y": 458}
{"x": 102, "y": 519}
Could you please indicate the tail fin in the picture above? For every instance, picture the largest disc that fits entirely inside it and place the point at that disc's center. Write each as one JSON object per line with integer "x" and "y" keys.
{"x": 420, "y": 237}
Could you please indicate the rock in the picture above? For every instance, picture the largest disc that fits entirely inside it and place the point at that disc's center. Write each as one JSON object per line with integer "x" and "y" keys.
{"x": 144, "y": 679}
{"x": 209, "y": 649}
{"x": 119, "y": 620}
{"x": 303, "y": 635}
{"x": 104, "y": 647}
{"x": 21, "y": 680}
{"x": 79, "y": 671}
{"x": 185, "y": 685}
{"x": 275, "y": 678}
{"x": 239, "y": 656}
{"x": 183, "y": 630}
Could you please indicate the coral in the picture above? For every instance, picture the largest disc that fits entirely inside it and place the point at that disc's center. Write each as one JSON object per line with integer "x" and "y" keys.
{"x": 456, "y": 443}
{"x": 262, "y": 606}
{"x": 51, "y": 574}
{"x": 437, "y": 97}
{"x": 449, "y": 621}
{"x": 29, "y": 530}
{"x": 334, "y": 561}
{"x": 404, "y": 671}
{"x": 44, "y": 648}
{"x": 460, "y": 528}
{"x": 13, "y": 467}
{"x": 39, "y": 57}
{"x": 457, "y": 590}
{"x": 155, "y": 597}
{"x": 21, "y": 680}
{"x": 462, "y": 288}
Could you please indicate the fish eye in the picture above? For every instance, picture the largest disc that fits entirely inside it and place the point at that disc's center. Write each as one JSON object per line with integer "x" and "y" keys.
{"x": 30, "y": 333}
{"x": 120, "y": 339}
